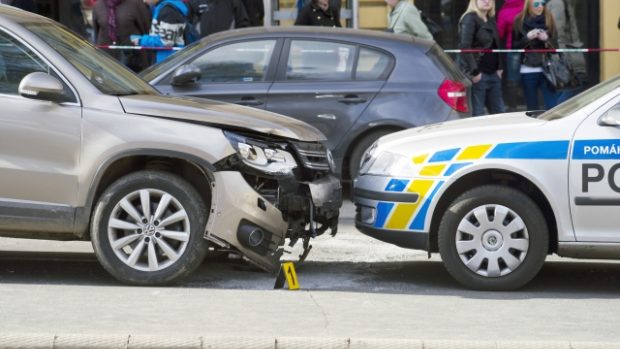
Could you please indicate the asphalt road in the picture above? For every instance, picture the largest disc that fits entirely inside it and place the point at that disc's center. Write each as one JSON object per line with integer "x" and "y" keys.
{"x": 352, "y": 286}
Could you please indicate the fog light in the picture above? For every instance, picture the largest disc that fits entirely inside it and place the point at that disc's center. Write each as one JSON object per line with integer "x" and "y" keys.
{"x": 256, "y": 237}
{"x": 367, "y": 214}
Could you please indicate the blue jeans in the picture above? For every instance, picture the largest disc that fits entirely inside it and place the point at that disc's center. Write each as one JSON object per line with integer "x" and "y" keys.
{"x": 564, "y": 95}
{"x": 488, "y": 92}
{"x": 531, "y": 83}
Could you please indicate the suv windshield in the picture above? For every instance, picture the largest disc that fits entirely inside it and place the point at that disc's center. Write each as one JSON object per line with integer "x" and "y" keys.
{"x": 581, "y": 100}
{"x": 103, "y": 71}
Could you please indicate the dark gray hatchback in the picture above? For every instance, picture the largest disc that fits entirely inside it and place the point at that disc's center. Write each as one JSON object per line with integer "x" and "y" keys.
{"x": 353, "y": 85}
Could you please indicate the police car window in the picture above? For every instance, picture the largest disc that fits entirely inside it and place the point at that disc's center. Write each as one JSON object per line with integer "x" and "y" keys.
{"x": 319, "y": 60}
{"x": 240, "y": 62}
{"x": 371, "y": 65}
{"x": 581, "y": 100}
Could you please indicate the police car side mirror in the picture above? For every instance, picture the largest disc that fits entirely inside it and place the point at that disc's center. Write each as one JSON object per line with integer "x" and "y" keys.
{"x": 186, "y": 74}
{"x": 611, "y": 118}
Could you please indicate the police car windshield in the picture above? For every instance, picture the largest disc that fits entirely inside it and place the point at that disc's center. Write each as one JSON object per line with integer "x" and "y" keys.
{"x": 581, "y": 100}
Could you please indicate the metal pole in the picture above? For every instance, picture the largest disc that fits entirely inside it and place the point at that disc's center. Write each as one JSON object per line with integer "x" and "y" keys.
{"x": 355, "y": 4}
{"x": 268, "y": 20}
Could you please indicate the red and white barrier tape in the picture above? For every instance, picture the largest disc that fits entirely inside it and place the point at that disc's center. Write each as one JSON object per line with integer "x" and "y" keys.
{"x": 131, "y": 47}
{"x": 585, "y": 50}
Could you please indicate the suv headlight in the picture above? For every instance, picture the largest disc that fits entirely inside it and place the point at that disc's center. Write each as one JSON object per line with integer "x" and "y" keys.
{"x": 270, "y": 158}
{"x": 385, "y": 163}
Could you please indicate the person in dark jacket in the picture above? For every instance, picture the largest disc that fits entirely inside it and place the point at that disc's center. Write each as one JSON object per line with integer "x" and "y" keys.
{"x": 478, "y": 30}
{"x": 212, "y": 16}
{"x": 27, "y": 5}
{"x": 535, "y": 29}
{"x": 114, "y": 21}
{"x": 255, "y": 10}
{"x": 319, "y": 13}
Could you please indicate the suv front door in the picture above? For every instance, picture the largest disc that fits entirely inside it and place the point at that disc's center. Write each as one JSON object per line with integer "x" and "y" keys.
{"x": 39, "y": 143}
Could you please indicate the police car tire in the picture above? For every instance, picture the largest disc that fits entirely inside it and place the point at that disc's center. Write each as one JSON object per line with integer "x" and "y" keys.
{"x": 181, "y": 191}
{"x": 516, "y": 201}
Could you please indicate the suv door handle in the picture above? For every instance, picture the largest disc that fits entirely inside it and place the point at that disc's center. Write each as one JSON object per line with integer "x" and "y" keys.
{"x": 352, "y": 99}
{"x": 249, "y": 101}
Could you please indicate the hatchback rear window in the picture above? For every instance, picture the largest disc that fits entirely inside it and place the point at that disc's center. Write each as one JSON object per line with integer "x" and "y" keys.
{"x": 445, "y": 64}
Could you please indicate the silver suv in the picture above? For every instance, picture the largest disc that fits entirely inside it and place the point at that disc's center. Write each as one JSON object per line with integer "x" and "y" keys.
{"x": 90, "y": 151}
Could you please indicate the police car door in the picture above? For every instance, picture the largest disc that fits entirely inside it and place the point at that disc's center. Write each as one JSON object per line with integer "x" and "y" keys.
{"x": 595, "y": 175}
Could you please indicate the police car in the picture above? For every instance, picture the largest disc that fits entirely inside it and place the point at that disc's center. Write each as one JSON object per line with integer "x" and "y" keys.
{"x": 495, "y": 195}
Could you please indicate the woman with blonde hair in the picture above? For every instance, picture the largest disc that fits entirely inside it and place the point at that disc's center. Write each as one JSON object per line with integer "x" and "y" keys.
{"x": 534, "y": 28}
{"x": 478, "y": 30}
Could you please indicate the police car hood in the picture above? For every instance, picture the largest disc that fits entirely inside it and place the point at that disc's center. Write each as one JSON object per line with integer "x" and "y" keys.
{"x": 471, "y": 130}
{"x": 220, "y": 114}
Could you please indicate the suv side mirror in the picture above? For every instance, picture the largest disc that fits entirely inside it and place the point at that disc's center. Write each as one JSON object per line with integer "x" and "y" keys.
{"x": 186, "y": 74}
{"x": 42, "y": 86}
{"x": 611, "y": 118}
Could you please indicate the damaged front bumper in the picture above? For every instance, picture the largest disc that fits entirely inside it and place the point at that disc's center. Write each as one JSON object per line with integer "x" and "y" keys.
{"x": 255, "y": 214}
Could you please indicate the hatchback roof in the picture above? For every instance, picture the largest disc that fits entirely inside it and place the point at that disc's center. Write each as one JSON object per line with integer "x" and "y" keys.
{"x": 315, "y": 31}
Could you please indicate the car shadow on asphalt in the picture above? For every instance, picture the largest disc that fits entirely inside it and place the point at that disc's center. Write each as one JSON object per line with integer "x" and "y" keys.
{"x": 558, "y": 279}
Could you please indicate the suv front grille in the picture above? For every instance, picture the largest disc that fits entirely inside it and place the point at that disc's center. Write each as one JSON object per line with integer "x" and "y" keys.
{"x": 312, "y": 155}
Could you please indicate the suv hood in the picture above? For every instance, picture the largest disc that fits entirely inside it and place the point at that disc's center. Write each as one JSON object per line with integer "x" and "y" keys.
{"x": 220, "y": 114}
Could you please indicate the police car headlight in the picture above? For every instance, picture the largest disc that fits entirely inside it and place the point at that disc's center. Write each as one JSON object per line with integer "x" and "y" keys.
{"x": 270, "y": 158}
{"x": 386, "y": 163}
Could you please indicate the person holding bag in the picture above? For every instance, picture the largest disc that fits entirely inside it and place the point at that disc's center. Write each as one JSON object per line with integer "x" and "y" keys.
{"x": 535, "y": 29}
{"x": 478, "y": 30}
{"x": 563, "y": 12}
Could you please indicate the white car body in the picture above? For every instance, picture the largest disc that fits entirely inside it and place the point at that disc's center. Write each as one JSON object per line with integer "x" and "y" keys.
{"x": 566, "y": 161}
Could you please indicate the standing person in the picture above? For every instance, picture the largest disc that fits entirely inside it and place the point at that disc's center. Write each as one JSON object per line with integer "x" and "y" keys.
{"x": 319, "y": 13}
{"x": 505, "y": 20}
{"x": 478, "y": 30}
{"x": 256, "y": 12}
{"x": 406, "y": 19}
{"x": 534, "y": 28}
{"x": 167, "y": 26}
{"x": 563, "y": 12}
{"x": 214, "y": 16}
{"x": 114, "y": 21}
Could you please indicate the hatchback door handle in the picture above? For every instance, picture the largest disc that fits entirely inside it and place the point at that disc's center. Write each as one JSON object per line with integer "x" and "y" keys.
{"x": 327, "y": 116}
{"x": 352, "y": 99}
{"x": 249, "y": 101}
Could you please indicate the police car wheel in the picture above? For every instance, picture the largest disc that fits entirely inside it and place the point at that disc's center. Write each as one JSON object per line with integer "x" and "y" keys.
{"x": 493, "y": 238}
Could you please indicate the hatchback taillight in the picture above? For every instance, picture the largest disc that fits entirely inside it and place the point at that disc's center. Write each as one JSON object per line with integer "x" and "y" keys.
{"x": 454, "y": 93}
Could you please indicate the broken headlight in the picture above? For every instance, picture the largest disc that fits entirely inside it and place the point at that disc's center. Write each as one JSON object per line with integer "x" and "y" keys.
{"x": 271, "y": 158}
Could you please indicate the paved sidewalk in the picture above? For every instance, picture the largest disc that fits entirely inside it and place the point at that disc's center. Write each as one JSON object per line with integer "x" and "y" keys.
{"x": 76, "y": 341}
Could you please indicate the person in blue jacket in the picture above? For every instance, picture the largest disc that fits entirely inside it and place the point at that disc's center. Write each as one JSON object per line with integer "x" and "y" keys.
{"x": 168, "y": 26}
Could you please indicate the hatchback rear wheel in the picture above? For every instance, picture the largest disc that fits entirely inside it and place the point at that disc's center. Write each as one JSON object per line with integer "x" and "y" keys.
{"x": 147, "y": 228}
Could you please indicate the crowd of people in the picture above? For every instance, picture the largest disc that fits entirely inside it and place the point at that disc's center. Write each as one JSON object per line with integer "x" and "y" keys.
{"x": 518, "y": 24}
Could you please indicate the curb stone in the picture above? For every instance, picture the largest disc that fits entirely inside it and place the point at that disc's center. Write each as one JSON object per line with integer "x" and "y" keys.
{"x": 97, "y": 341}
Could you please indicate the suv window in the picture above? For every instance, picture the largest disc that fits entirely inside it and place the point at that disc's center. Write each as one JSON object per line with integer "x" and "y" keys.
{"x": 17, "y": 61}
{"x": 316, "y": 60}
{"x": 372, "y": 65}
{"x": 244, "y": 61}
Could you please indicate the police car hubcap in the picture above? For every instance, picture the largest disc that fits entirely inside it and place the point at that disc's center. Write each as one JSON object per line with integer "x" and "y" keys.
{"x": 492, "y": 240}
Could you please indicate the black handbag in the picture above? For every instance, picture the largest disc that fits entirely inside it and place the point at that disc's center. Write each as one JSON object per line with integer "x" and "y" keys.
{"x": 559, "y": 71}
